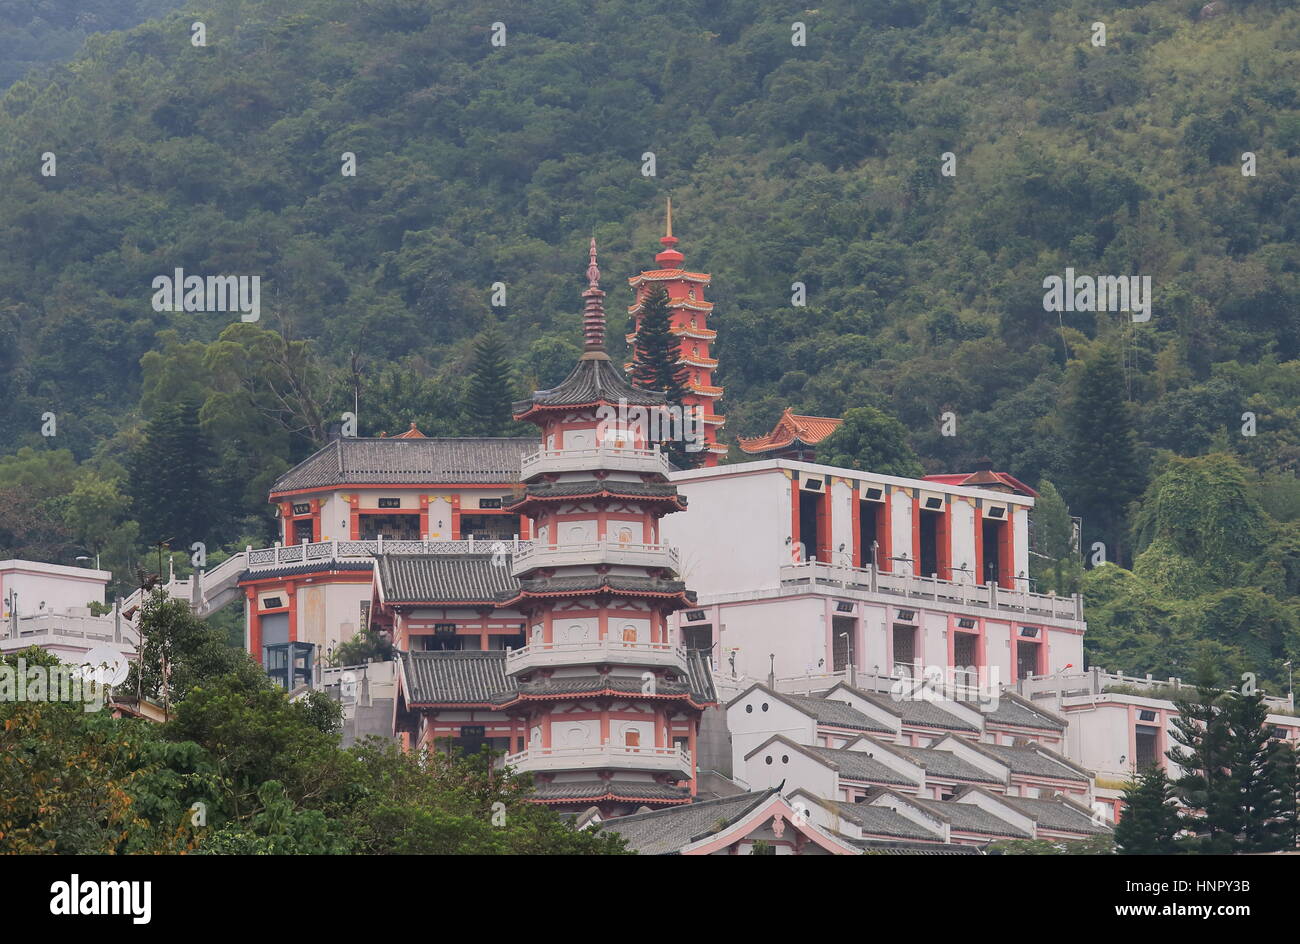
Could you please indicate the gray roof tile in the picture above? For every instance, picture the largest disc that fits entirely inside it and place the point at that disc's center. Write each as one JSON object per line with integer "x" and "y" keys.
{"x": 352, "y": 461}
{"x": 921, "y": 712}
{"x": 967, "y": 817}
{"x": 665, "y": 832}
{"x": 836, "y": 713}
{"x": 1032, "y": 762}
{"x": 882, "y": 821}
{"x": 445, "y": 578}
{"x": 591, "y": 381}
{"x": 856, "y": 765}
{"x": 947, "y": 765}
{"x": 1057, "y": 815}
{"x": 1010, "y": 711}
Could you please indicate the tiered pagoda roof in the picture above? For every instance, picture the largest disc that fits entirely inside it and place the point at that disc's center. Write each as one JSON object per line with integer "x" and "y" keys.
{"x": 792, "y": 429}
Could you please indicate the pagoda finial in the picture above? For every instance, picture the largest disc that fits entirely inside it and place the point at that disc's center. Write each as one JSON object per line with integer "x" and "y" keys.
{"x": 669, "y": 258}
{"x": 593, "y": 314}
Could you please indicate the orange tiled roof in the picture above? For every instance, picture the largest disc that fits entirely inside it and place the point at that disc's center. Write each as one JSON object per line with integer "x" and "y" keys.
{"x": 411, "y": 433}
{"x": 792, "y": 426}
{"x": 668, "y": 275}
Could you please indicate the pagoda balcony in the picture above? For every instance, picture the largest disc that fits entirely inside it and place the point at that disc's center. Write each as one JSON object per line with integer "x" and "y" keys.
{"x": 608, "y": 651}
{"x": 606, "y": 457}
{"x": 660, "y": 556}
{"x": 325, "y": 552}
{"x": 667, "y": 760}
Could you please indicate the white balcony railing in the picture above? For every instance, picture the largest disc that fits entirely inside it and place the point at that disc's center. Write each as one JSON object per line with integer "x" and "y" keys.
{"x": 538, "y": 554}
{"x": 323, "y": 551}
{"x": 600, "y": 457}
{"x": 933, "y": 589}
{"x": 611, "y": 650}
{"x": 42, "y": 629}
{"x": 603, "y": 757}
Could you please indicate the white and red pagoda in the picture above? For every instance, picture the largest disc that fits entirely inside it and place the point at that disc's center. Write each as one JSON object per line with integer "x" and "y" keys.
{"x": 610, "y": 702}
{"x": 690, "y": 314}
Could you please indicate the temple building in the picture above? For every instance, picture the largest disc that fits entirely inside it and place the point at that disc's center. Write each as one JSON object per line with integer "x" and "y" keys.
{"x": 690, "y": 313}
{"x": 793, "y": 437}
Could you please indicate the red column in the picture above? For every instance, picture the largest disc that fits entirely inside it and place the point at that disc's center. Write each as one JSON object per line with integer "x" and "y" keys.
{"x": 254, "y": 625}
{"x": 354, "y": 518}
{"x": 943, "y": 537}
{"x": 916, "y": 535}
{"x": 855, "y": 503}
{"x": 1006, "y": 555}
{"x": 885, "y": 534}
{"x": 315, "y": 519}
{"x": 424, "y": 516}
{"x": 455, "y": 517}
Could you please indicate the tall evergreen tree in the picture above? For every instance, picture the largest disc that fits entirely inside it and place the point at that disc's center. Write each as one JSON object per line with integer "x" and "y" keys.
{"x": 1257, "y": 804}
{"x": 489, "y": 392}
{"x": 1105, "y": 473}
{"x": 170, "y": 477}
{"x": 656, "y": 356}
{"x": 1201, "y": 731}
{"x": 1150, "y": 821}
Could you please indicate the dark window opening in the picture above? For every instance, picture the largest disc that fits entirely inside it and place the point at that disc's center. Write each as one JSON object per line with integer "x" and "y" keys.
{"x": 992, "y": 551}
{"x": 392, "y": 527}
{"x": 809, "y": 536}
{"x": 489, "y": 527}
{"x": 1146, "y": 742}
{"x": 965, "y": 650}
{"x": 904, "y": 649}
{"x": 870, "y": 528}
{"x": 1026, "y": 659}
{"x": 699, "y": 638}
{"x": 929, "y": 543}
{"x": 845, "y": 630}
{"x": 302, "y": 530}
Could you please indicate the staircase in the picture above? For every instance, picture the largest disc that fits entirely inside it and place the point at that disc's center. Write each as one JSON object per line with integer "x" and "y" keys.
{"x": 207, "y": 591}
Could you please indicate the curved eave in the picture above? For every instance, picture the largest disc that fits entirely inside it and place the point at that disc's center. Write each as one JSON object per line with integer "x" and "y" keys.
{"x": 685, "y": 598}
{"x": 686, "y": 697}
{"x": 615, "y": 797}
{"x": 678, "y": 501}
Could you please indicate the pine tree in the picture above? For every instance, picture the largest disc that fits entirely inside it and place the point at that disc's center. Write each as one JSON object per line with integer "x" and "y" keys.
{"x": 171, "y": 477}
{"x": 1258, "y": 806}
{"x": 1204, "y": 789}
{"x": 1150, "y": 821}
{"x": 656, "y": 355}
{"x": 1105, "y": 474}
{"x": 488, "y": 395}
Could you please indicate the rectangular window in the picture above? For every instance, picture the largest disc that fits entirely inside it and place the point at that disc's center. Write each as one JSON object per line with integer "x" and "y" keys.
{"x": 844, "y": 629}
{"x": 904, "y": 649}
{"x": 1146, "y": 740}
{"x": 698, "y": 637}
{"x": 1026, "y": 659}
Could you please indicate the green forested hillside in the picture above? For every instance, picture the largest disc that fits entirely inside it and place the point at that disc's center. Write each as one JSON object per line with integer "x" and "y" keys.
{"x": 818, "y": 164}
{"x": 36, "y": 33}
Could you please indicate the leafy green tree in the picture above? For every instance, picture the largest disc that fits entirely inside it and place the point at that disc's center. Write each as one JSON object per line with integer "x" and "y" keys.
{"x": 1149, "y": 823}
{"x": 1054, "y": 565}
{"x": 871, "y": 441}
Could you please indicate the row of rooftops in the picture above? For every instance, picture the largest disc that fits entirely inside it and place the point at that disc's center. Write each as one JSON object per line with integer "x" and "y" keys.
{"x": 418, "y": 460}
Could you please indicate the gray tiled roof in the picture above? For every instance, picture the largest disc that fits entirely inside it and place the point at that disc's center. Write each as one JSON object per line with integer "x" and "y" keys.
{"x": 445, "y": 578}
{"x": 1031, "y": 762}
{"x": 882, "y": 821}
{"x": 947, "y": 765}
{"x": 352, "y": 461}
{"x": 856, "y": 765}
{"x": 665, "y": 832}
{"x": 1010, "y": 711}
{"x": 967, "y": 817}
{"x": 479, "y": 677}
{"x": 318, "y": 567}
{"x": 464, "y": 677}
{"x": 836, "y": 713}
{"x": 591, "y": 381}
{"x": 1057, "y": 815}
{"x": 615, "y": 789}
{"x": 877, "y": 847}
{"x": 921, "y": 712}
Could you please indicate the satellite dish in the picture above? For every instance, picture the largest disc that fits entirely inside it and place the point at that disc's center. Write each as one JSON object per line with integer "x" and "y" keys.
{"x": 105, "y": 666}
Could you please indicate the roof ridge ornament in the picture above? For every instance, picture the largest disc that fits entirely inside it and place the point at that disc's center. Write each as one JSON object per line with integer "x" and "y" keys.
{"x": 593, "y": 315}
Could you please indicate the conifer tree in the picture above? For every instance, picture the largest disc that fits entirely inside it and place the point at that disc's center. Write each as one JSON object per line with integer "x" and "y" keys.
{"x": 1201, "y": 732}
{"x": 1150, "y": 821}
{"x": 171, "y": 477}
{"x": 656, "y": 353}
{"x": 1105, "y": 474}
{"x": 1257, "y": 804}
{"x": 489, "y": 392}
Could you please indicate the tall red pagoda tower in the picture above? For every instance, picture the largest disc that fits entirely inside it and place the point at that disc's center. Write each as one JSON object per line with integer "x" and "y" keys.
{"x": 610, "y": 702}
{"x": 690, "y": 314}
